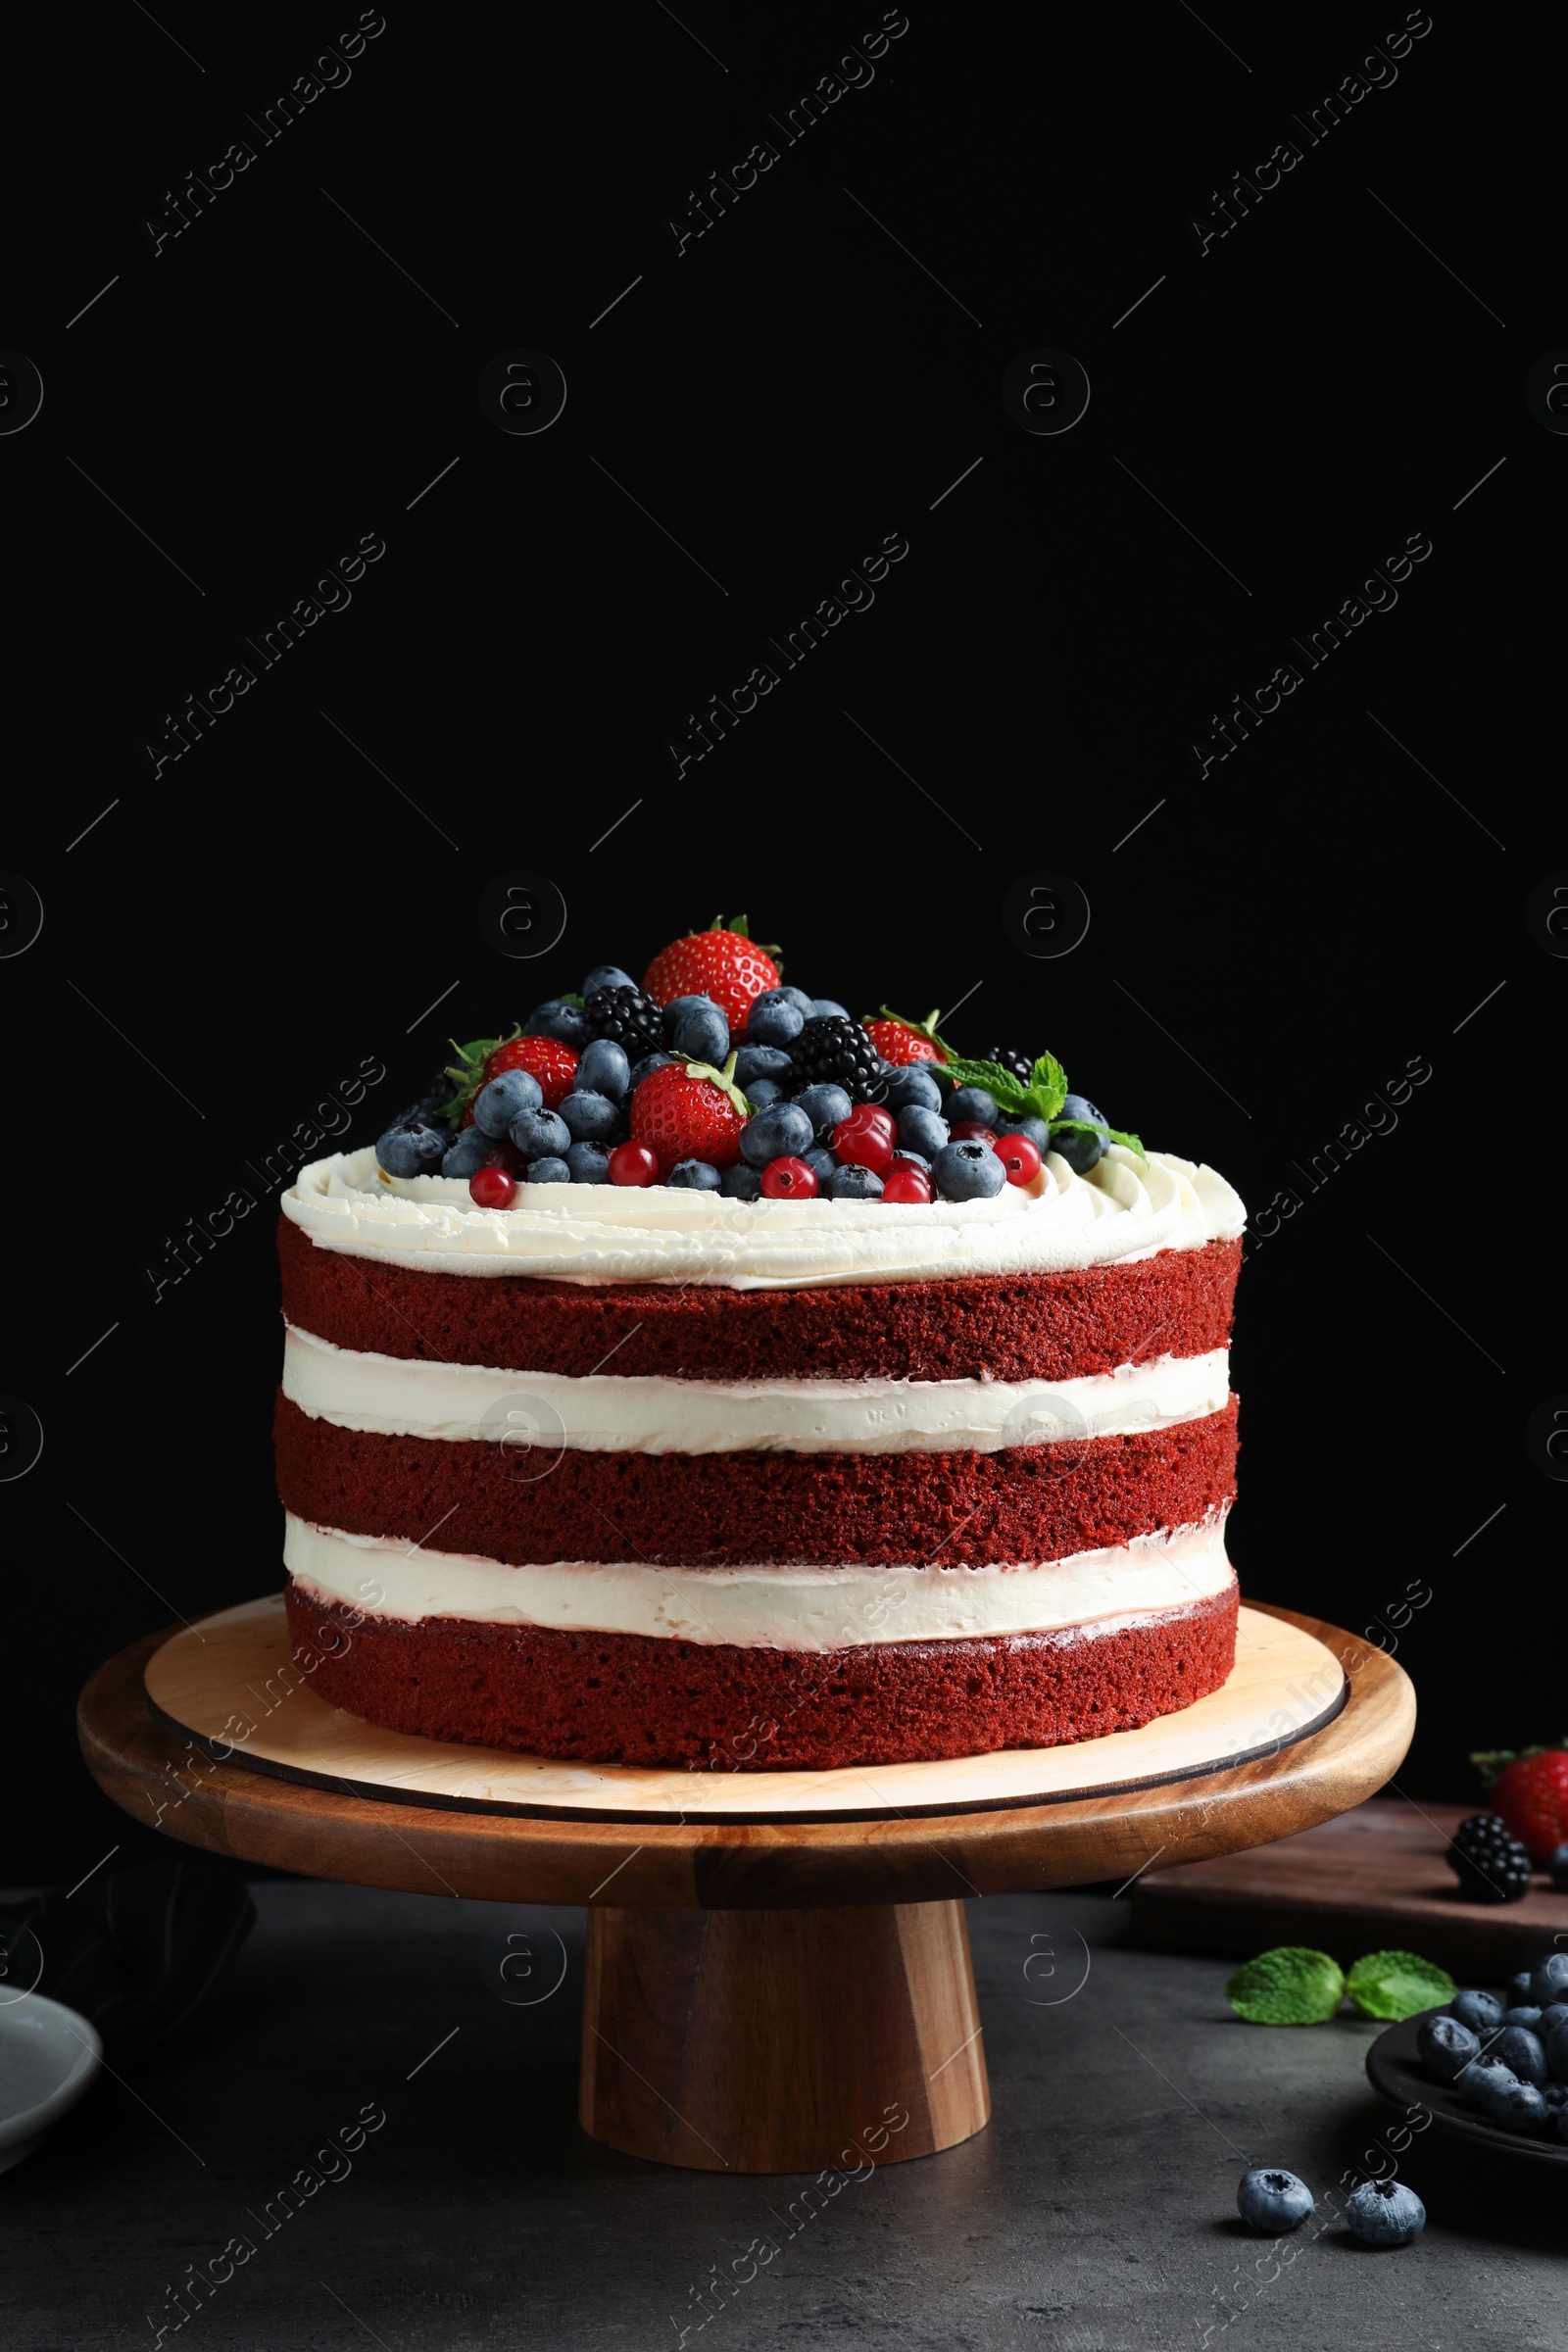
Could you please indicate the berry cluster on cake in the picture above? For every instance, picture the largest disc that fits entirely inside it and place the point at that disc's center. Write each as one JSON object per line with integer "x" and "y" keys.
{"x": 702, "y": 1375}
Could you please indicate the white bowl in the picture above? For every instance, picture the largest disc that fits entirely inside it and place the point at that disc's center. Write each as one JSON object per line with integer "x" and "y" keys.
{"x": 49, "y": 2057}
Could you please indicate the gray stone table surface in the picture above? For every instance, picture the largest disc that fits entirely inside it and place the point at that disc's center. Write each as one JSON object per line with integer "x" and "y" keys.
{"x": 1097, "y": 2211}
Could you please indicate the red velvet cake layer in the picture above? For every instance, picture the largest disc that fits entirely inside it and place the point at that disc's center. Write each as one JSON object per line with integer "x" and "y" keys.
{"x": 623, "y": 1698}
{"x": 981, "y": 1327}
{"x": 711, "y": 1510}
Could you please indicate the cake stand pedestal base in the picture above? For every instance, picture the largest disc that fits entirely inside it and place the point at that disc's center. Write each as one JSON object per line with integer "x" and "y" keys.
{"x": 782, "y": 2041}
{"x": 781, "y": 1983}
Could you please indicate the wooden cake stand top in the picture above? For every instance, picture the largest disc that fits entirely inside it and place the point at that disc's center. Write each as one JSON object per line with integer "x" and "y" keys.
{"x": 1310, "y": 1723}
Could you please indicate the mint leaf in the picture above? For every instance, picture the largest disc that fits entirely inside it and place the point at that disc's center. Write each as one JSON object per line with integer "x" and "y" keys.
{"x": 570, "y": 997}
{"x": 1001, "y": 1083}
{"x": 1047, "y": 1086}
{"x": 1399, "y": 1984}
{"x": 1289, "y": 1985}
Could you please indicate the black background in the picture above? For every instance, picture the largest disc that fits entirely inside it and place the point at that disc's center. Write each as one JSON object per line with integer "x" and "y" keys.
{"x": 1273, "y": 945}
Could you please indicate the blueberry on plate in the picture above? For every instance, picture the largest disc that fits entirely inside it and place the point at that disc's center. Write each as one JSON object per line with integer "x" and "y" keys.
{"x": 602, "y": 1069}
{"x": 1482, "y": 2012}
{"x": 589, "y": 1164}
{"x": 740, "y": 1183}
{"x": 969, "y": 1171}
{"x": 607, "y": 975}
{"x": 695, "y": 1176}
{"x": 550, "y": 1169}
{"x": 1269, "y": 2201}
{"x": 413, "y": 1150}
{"x": 591, "y": 1118}
{"x": 1446, "y": 2047}
{"x": 1385, "y": 2212}
{"x": 504, "y": 1100}
{"x": 1517, "y": 2107}
{"x": 564, "y": 1022}
{"x": 1548, "y": 2020}
{"x": 825, "y": 1104}
{"x": 1481, "y": 2080}
{"x": 853, "y": 1184}
{"x": 1517, "y": 2047}
{"x": 1530, "y": 2016}
{"x": 467, "y": 1154}
{"x": 1550, "y": 1981}
{"x": 1519, "y": 1986}
{"x": 700, "y": 1031}
{"x": 1556, "y": 2044}
{"x": 780, "y": 1132}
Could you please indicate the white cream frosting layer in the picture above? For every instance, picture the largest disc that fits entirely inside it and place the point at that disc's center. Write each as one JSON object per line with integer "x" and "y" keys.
{"x": 601, "y": 1413}
{"x": 765, "y": 1607}
{"x": 1124, "y": 1208}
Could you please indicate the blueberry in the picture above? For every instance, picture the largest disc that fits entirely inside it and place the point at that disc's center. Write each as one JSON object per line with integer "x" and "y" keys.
{"x": 971, "y": 1102}
{"x": 1271, "y": 2201}
{"x": 824, "y": 1105}
{"x": 1557, "y": 1868}
{"x": 1517, "y": 2107}
{"x": 1529, "y": 2017}
{"x": 414, "y": 1150}
{"x": 761, "y": 1061}
{"x": 701, "y": 1032}
{"x": 764, "y": 1091}
{"x": 1026, "y": 1123}
{"x": 1550, "y": 1981}
{"x": 821, "y": 1163}
{"x": 780, "y": 1132}
{"x": 740, "y": 1183}
{"x": 853, "y": 1184}
{"x": 641, "y": 1069}
{"x": 695, "y": 1176}
{"x": 1555, "y": 2041}
{"x": 913, "y": 1088}
{"x": 823, "y": 1008}
{"x": 679, "y": 1006}
{"x": 1548, "y": 2021}
{"x": 773, "y": 1021}
{"x": 803, "y": 1004}
{"x": 504, "y": 1100}
{"x": 1519, "y": 1986}
{"x": 1555, "y": 2095}
{"x": 550, "y": 1169}
{"x": 607, "y": 975}
{"x": 1385, "y": 2212}
{"x": 969, "y": 1171}
{"x": 1480, "y": 2011}
{"x": 1480, "y": 2082}
{"x": 1446, "y": 2047}
{"x": 555, "y": 1019}
{"x": 1080, "y": 1152}
{"x": 541, "y": 1135}
{"x": 922, "y": 1131}
{"x": 1519, "y": 2049}
{"x": 915, "y": 1160}
{"x": 589, "y": 1164}
{"x": 602, "y": 1069}
{"x": 467, "y": 1155}
{"x": 591, "y": 1118}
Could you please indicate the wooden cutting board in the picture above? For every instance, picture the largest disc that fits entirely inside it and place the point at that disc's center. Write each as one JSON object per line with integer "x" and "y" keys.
{"x": 1374, "y": 1880}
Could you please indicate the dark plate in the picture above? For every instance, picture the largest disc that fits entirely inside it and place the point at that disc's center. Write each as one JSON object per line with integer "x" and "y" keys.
{"x": 1396, "y": 2073}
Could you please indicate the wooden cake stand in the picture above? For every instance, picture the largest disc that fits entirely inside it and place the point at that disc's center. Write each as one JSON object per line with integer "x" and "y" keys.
{"x": 778, "y": 1967}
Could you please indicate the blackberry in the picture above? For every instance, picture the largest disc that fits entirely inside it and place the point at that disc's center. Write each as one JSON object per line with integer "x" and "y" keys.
{"x": 1490, "y": 1864}
{"x": 627, "y": 1017}
{"x": 1018, "y": 1063}
{"x": 834, "y": 1050}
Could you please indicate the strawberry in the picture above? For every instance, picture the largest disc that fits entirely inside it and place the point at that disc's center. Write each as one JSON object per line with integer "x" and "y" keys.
{"x": 1530, "y": 1790}
{"x": 543, "y": 1057}
{"x": 725, "y": 965}
{"x": 899, "y": 1041}
{"x": 689, "y": 1110}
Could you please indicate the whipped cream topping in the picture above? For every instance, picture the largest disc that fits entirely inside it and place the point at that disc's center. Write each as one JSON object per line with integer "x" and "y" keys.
{"x": 765, "y": 1607}
{"x": 600, "y": 1414}
{"x": 1124, "y": 1208}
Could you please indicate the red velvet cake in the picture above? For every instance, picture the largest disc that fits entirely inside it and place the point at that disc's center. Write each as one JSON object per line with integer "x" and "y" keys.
{"x": 829, "y": 1428}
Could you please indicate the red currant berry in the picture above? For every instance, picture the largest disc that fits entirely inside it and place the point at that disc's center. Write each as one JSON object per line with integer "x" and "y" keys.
{"x": 789, "y": 1179}
{"x": 633, "y": 1163}
{"x": 865, "y": 1139}
{"x": 506, "y": 1154}
{"x": 970, "y": 1131}
{"x": 907, "y": 1183}
{"x": 1019, "y": 1156}
{"x": 492, "y": 1187}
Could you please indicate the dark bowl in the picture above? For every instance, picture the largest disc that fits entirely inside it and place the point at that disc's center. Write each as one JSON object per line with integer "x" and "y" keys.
{"x": 1396, "y": 2073}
